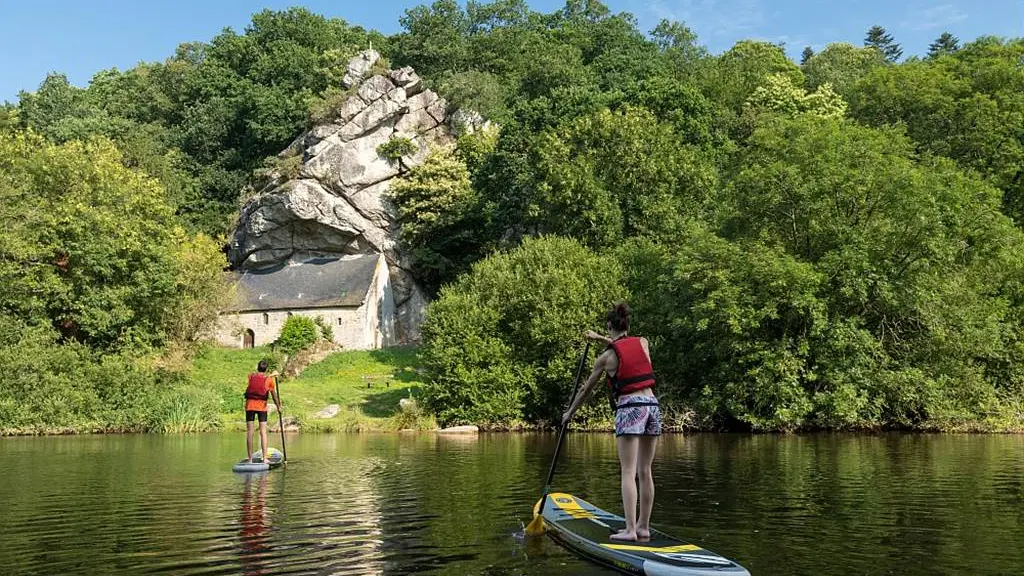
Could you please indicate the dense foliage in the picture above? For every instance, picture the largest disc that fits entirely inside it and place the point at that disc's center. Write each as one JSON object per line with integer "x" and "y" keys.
{"x": 829, "y": 244}
{"x": 500, "y": 343}
{"x": 98, "y": 278}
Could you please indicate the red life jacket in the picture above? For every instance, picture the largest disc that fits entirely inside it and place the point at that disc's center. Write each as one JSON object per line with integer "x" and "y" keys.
{"x": 635, "y": 371}
{"x": 257, "y": 389}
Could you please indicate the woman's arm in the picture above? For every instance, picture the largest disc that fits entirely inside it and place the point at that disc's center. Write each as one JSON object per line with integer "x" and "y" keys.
{"x": 588, "y": 387}
{"x": 599, "y": 337}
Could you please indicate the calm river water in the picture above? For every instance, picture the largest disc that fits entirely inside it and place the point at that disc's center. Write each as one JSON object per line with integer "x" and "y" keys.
{"x": 426, "y": 504}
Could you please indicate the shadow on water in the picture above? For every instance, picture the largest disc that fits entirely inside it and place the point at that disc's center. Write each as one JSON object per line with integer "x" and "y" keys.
{"x": 911, "y": 505}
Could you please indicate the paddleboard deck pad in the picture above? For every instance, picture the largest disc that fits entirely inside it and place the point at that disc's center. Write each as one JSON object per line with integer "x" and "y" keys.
{"x": 585, "y": 529}
{"x": 257, "y": 464}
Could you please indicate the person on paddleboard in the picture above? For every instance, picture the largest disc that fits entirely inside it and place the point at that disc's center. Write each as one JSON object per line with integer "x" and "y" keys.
{"x": 261, "y": 387}
{"x": 630, "y": 378}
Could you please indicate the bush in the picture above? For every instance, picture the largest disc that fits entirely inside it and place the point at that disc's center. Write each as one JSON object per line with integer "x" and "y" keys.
{"x": 298, "y": 332}
{"x": 396, "y": 148}
{"x": 54, "y": 387}
{"x": 325, "y": 108}
{"x": 502, "y": 343}
{"x": 326, "y": 331}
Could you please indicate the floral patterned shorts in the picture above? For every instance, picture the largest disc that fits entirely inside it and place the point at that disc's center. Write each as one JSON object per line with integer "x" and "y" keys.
{"x": 637, "y": 416}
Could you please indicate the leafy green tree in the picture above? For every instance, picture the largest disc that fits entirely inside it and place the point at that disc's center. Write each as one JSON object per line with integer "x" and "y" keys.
{"x": 878, "y": 38}
{"x": 8, "y": 118}
{"x": 963, "y": 107}
{"x": 91, "y": 247}
{"x": 779, "y": 95}
{"x": 480, "y": 91}
{"x": 945, "y": 44}
{"x": 889, "y": 236}
{"x": 617, "y": 174}
{"x": 678, "y": 41}
{"x": 739, "y": 71}
{"x": 837, "y": 291}
{"x": 806, "y": 55}
{"x": 439, "y": 218}
{"x": 841, "y": 65}
{"x": 500, "y": 344}
{"x": 434, "y": 41}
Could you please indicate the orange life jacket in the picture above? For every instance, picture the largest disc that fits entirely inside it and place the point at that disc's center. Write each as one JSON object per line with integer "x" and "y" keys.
{"x": 257, "y": 389}
{"x": 635, "y": 371}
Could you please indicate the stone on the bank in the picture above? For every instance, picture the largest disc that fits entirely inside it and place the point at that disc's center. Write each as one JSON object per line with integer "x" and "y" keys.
{"x": 329, "y": 411}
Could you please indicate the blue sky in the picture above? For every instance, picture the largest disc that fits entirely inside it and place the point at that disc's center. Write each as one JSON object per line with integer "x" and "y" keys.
{"x": 80, "y": 38}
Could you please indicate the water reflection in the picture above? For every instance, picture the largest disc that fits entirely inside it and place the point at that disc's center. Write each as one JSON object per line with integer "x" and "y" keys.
{"x": 254, "y": 526}
{"x": 377, "y": 504}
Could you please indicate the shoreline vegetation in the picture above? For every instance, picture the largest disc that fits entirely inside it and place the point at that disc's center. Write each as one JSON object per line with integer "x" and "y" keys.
{"x": 368, "y": 387}
{"x": 830, "y": 244}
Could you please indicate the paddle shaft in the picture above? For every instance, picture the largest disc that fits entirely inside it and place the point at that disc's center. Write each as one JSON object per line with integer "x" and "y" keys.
{"x": 280, "y": 419}
{"x": 565, "y": 426}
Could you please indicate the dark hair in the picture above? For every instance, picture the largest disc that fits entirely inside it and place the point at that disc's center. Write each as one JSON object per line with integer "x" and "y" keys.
{"x": 619, "y": 317}
{"x": 262, "y": 366}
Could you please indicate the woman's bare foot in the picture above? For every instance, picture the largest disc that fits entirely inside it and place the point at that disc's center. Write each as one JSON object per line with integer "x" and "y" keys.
{"x": 643, "y": 534}
{"x": 624, "y": 535}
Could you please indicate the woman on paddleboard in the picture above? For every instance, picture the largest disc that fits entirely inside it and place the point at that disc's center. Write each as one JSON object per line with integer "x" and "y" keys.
{"x": 630, "y": 377}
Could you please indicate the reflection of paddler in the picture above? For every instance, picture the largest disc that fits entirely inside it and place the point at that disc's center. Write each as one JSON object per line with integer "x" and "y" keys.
{"x": 254, "y": 528}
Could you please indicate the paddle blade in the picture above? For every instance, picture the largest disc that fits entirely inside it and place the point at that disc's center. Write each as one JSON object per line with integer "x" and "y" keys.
{"x": 536, "y": 526}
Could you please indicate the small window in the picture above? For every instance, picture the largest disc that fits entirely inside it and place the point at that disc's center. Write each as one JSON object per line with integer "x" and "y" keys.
{"x": 339, "y": 321}
{"x": 266, "y": 318}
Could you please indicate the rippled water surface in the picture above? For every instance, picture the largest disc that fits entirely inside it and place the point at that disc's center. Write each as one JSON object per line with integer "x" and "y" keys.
{"x": 426, "y": 504}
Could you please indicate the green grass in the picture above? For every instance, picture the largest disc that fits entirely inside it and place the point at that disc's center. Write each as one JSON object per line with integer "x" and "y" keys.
{"x": 366, "y": 384}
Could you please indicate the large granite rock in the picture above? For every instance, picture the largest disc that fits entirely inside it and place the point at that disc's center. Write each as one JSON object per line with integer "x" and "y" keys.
{"x": 337, "y": 204}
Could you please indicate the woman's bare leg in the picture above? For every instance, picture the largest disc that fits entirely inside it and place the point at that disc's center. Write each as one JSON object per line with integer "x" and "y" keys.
{"x": 645, "y": 458}
{"x": 627, "y": 460}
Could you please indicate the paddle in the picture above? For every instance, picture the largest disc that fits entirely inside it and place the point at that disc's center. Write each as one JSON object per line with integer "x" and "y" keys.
{"x": 280, "y": 419}
{"x": 536, "y": 525}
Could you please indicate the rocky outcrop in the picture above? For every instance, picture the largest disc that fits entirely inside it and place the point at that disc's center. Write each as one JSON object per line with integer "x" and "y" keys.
{"x": 336, "y": 203}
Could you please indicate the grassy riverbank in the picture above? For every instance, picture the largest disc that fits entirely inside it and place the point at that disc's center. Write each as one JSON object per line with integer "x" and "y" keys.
{"x": 366, "y": 385}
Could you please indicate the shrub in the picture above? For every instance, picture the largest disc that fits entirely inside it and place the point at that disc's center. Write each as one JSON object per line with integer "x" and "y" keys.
{"x": 380, "y": 68}
{"x": 298, "y": 332}
{"x": 326, "y": 331}
{"x": 325, "y": 108}
{"x": 396, "y": 148}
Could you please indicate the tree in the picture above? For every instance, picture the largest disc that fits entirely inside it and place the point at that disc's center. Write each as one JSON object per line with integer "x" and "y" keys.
{"x": 613, "y": 175}
{"x": 8, "y": 118}
{"x": 964, "y": 107}
{"x": 92, "y": 248}
{"x": 878, "y": 38}
{"x": 434, "y": 41}
{"x": 439, "y": 220}
{"x": 943, "y": 45}
{"x": 678, "y": 42}
{"x": 779, "y": 95}
{"x": 836, "y": 290}
{"x": 501, "y": 342}
{"x": 740, "y": 70}
{"x": 806, "y": 55}
{"x": 842, "y": 65}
